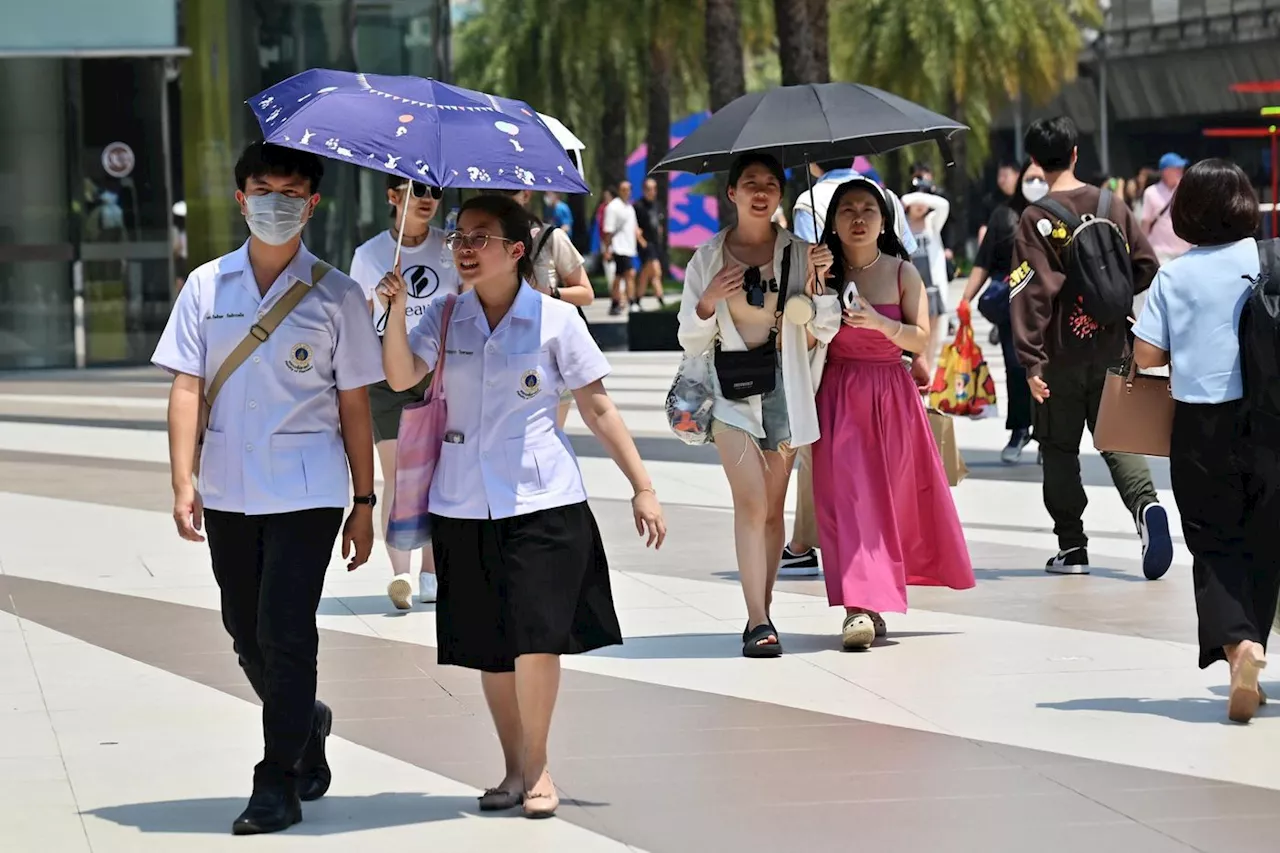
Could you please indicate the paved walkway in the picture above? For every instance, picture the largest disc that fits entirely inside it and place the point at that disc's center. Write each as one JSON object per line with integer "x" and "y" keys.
{"x": 1033, "y": 712}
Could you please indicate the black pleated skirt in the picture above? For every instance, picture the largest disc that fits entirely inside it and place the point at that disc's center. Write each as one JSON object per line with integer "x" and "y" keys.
{"x": 531, "y": 584}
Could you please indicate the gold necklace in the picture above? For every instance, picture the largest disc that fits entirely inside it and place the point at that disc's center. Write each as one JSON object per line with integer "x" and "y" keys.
{"x": 852, "y": 268}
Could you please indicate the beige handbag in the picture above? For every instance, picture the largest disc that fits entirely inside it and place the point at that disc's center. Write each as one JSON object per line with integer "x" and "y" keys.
{"x": 258, "y": 334}
{"x": 1136, "y": 413}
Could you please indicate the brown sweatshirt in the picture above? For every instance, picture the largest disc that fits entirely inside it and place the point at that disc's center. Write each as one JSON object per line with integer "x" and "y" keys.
{"x": 1048, "y": 326}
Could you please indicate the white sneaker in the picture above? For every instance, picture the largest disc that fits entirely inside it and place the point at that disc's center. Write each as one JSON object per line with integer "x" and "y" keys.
{"x": 400, "y": 591}
{"x": 427, "y": 587}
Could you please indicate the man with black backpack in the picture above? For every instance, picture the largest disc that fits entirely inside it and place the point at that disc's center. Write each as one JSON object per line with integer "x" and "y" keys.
{"x": 1080, "y": 258}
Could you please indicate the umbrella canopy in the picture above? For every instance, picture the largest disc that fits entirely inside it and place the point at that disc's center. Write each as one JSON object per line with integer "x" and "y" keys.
{"x": 566, "y": 137}
{"x": 809, "y": 123}
{"x": 419, "y": 129}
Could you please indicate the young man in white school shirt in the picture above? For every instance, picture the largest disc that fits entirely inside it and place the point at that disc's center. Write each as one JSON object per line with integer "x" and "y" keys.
{"x": 273, "y": 473}
{"x": 422, "y": 264}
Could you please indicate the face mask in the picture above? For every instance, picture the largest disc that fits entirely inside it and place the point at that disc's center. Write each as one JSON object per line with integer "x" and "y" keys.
{"x": 1035, "y": 189}
{"x": 274, "y": 219}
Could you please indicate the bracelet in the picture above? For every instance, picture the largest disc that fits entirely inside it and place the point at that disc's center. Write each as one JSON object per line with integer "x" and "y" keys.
{"x": 640, "y": 492}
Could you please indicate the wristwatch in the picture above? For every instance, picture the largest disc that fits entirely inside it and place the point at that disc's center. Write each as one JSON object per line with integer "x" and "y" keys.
{"x": 370, "y": 500}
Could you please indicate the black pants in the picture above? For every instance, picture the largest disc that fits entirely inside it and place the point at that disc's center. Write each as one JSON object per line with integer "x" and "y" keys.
{"x": 271, "y": 570}
{"x": 1075, "y": 392}
{"x": 1227, "y": 495}
{"x": 1019, "y": 402}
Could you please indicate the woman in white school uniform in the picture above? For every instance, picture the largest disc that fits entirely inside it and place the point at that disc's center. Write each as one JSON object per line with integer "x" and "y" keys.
{"x": 522, "y": 570}
{"x": 429, "y": 279}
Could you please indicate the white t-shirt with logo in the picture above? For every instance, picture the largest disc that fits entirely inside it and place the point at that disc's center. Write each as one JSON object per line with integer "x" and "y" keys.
{"x": 422, "y": 267}
{"x": 620, "y": 221}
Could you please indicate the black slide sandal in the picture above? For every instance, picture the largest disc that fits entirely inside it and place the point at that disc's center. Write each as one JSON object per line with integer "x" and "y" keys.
{"x": 753, "y": 648}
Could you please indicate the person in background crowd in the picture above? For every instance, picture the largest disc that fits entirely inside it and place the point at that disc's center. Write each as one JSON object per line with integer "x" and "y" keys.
{"x": 653, "y": 239}
{"x": 558, "y": 214}
{"x": 886, "y": 518}
{"x": 1157, "y": 209}
{"x": 607, "y": 265}
{"x": 558, "y": 271}
{"x": 927, "y": 213}
{"x": 1066, "y": 355}
{"x": 286, "y": 422}
{"x": 524, "y": 577}
{"x": 622, "y": 246}
{"x": 755, "y": 436}
{"x": 1006, "y": 186}
{"x": 800, "y": 557}
{"x": 994, "y": 264}
{"x": 1228, "y": 492}
{"x": 421, "y": 264}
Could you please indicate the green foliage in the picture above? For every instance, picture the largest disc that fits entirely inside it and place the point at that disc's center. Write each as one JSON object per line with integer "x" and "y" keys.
{"x": 966, "y": 58}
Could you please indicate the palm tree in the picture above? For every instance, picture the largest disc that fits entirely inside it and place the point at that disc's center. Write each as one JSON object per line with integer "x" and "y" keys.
{"x": 966, "y": 58}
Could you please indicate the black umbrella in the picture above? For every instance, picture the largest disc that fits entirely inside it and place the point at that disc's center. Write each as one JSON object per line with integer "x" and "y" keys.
{"x": 810, "y": 123}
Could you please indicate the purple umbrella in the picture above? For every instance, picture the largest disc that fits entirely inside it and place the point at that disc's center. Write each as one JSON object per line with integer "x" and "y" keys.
{"x": 420, "y": 129}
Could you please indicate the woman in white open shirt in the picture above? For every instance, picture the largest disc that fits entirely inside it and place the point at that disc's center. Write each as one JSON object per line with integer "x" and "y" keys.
{"x": 522, "y": 569}
{"x": 757, "y": 436}
{"x": 927, "y": 214}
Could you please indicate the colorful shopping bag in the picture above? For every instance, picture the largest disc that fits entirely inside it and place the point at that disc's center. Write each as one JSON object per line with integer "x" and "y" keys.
{"x": 963, "y": 384}
{"x": 422, "y": 429}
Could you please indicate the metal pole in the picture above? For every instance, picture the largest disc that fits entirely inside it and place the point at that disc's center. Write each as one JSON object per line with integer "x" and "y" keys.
{"x": 1103, "y": 119}
{"x": 166, "y": 149}
{"x": 1275, "y": 186}
{"x": 1019, "y": 151}
{"x": 78, "y": 307}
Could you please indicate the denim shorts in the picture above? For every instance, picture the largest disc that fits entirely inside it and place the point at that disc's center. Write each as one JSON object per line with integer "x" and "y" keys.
{"x": 777, "y": 424}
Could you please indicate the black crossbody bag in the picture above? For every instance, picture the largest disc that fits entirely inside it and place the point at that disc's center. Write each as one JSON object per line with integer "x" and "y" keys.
{"x": 755, "y": 371}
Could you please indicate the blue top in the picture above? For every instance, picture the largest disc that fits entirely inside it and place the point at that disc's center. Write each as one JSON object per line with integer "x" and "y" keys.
{"x": 561, "y": 216}
{"x": 1193, "y": 313}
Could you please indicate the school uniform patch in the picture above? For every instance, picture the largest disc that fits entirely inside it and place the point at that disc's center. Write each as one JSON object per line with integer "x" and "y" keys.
{"x": 1020, "y": 278}
{"x": 1045, "y": 227}
{"x": 300, "y": 358}
{"x": 530, "y": 384}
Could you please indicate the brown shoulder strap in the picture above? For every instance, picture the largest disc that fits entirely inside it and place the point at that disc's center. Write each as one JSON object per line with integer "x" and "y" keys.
{"x": 260, "y": 331}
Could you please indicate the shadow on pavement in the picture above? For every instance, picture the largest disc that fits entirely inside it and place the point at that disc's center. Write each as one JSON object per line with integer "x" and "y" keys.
{"x": 329, "y": 816}
{"x": 729, "y": 645}
{"x": 1188, "y": 710}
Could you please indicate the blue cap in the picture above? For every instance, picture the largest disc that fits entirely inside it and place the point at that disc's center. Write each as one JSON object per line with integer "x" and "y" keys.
{"x": 1172, "y": 161}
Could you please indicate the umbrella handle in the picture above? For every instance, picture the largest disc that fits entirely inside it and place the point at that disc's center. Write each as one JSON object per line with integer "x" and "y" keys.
{"x": 404, "y": 219}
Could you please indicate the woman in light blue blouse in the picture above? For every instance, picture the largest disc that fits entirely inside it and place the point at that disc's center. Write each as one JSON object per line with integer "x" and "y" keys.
{"x": 1191, "y": 322}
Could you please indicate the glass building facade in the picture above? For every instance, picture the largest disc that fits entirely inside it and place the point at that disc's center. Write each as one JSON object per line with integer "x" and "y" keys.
{"x": 112, "y": 112}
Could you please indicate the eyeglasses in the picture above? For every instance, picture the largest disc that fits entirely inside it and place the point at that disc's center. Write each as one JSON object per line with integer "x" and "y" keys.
{"x": 420, "y": 190}
{"x": 457, "y": 241}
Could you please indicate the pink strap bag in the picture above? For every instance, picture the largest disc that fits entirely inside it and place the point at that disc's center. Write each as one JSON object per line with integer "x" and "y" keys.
{"x": 422, "y": 429}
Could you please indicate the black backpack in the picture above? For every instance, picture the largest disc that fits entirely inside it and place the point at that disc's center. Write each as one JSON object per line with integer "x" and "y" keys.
{"x": 1096, "y": 261}
{"x": 1260, "y": 348}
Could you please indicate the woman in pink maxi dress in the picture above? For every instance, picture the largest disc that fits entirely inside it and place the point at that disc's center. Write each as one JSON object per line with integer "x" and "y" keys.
{"x": 886, "y": 518}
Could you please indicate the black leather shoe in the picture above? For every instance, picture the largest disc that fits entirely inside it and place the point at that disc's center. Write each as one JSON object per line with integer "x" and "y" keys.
{"x": 271, "y": 809}
{"x": 314, "y": 775}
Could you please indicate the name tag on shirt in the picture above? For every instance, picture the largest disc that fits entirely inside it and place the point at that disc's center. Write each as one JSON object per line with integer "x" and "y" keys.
{"x": 454, "y": 437}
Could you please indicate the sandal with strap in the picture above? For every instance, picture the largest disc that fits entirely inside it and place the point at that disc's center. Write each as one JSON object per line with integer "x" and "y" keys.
{"x": 754, "y": 645}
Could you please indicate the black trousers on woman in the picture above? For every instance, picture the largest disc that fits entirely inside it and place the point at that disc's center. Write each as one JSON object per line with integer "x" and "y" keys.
{"x": 1228, "y": 494}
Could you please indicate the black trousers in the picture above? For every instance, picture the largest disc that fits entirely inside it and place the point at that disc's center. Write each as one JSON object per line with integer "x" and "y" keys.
{"x": 1020, "y": 403}
{"x": 1075, "y": 393}
{"x": 271, "y": 570}
{"x": 1227, "y": 494}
